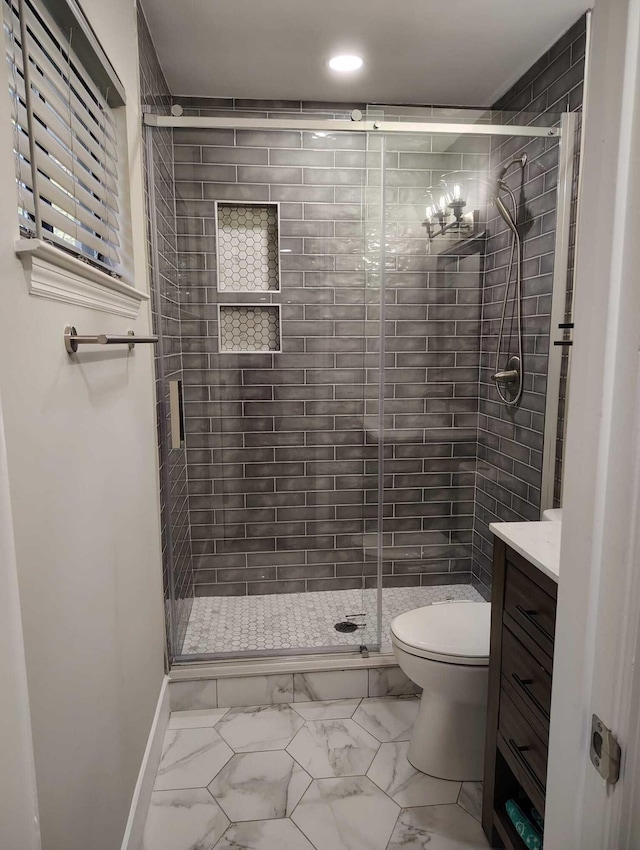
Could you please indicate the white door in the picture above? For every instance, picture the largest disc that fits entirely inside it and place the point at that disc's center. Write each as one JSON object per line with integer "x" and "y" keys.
{"x": 599, "y": 588}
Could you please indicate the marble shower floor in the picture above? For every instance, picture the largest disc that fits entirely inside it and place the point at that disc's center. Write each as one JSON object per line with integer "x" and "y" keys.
{"x": 305, "y": 776}
{"x": 303, "y": 620}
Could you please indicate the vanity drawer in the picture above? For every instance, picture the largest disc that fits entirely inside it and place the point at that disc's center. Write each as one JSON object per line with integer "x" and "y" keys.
{"x": 533, "y": 610}
{"x": 527, "y": 677}
{"x": 527, "y": 752}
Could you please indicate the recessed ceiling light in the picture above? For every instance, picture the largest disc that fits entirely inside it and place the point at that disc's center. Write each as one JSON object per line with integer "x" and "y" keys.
{"x": 345, "y": 63}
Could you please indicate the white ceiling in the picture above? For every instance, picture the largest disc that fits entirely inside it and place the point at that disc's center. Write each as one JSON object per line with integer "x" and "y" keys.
{"x": 455, "y": 52}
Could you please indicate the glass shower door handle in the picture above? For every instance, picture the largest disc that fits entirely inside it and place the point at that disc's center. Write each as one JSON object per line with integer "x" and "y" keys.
{"x": 176, "y": 414}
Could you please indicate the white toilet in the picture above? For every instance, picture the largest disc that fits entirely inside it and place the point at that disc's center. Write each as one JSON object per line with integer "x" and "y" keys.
{"x": 444, "y": 648}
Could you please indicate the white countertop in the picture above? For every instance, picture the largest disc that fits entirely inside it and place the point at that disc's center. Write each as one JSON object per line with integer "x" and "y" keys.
{"x": 538, "y": 542}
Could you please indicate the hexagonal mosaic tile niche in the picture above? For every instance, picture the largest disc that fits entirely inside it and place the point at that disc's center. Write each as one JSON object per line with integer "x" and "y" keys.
{"x": 249, "y": 328}
{"x": 247, "y": 245}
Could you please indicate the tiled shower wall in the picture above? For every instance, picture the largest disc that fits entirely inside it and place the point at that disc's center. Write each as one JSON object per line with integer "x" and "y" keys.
{"x": 282, "y": 448}
{"x": 176, "y": 541}
{"x": 510, "y": 440}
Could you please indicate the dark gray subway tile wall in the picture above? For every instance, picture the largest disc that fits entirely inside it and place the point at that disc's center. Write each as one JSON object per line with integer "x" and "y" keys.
{"x": 283, "y": 448}
{"x": 510, "y": 440}
{"x": 176, "y": 539}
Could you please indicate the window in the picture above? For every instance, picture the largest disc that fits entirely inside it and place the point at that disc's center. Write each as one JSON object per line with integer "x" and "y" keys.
{"x": 65, "y": 97}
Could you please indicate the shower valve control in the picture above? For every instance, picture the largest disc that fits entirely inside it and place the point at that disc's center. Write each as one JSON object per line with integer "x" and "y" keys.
{"x": 508, "y": 381}
{"x": 507, "y": 377}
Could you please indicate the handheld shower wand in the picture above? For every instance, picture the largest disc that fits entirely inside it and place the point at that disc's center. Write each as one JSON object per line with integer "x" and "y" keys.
{"x": 509, "y": 382}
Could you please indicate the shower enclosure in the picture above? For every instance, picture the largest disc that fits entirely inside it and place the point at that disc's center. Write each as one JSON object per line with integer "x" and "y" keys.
{"x": 328, "y": 297}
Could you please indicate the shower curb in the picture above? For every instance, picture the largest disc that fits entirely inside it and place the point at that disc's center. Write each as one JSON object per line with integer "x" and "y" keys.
{"x": 232, "y": 684}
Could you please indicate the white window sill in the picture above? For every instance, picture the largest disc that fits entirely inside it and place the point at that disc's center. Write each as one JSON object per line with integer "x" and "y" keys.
{"x": 51, "y": 273}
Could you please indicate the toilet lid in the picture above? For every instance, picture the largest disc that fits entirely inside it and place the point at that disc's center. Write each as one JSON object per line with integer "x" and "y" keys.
{"x": 454, "y": 632}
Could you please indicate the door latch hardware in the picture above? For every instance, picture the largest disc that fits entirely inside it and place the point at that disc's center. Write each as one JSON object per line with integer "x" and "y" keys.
{"x": 605, "y": 751}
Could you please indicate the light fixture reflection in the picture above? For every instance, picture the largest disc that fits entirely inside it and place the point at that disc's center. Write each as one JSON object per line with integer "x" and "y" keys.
{"x": 446, "y": 202}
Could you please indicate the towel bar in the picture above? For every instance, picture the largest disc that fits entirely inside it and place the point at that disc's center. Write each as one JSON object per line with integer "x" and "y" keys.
{"x": 72, "y": 339}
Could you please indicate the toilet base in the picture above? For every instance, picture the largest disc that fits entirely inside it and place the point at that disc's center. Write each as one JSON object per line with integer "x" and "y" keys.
{"x": 448, "y": 738}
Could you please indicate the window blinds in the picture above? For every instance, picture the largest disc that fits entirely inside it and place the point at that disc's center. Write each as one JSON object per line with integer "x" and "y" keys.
{"x": 65, "y": 140}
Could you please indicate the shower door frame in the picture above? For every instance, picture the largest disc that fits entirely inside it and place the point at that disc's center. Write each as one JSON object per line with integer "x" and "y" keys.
{"x": 565, "y": 133}
{"x": 337, "y": 125}
{"x": 566, "y": 164}
{"x": 161, "y": 412}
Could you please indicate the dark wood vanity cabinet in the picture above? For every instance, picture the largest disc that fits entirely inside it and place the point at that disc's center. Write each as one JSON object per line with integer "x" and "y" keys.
{"x": 523, "y": 618}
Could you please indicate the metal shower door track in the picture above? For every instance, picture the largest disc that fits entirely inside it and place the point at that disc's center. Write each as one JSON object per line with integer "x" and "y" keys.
{"x": 566, "y": 175}
{"x": 329, "y": 124}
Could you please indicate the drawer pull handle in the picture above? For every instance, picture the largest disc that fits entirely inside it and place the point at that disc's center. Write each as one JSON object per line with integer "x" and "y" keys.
{"x": 524, "y": 763}
{"x": 530, "y": 616}
{"x": 523, "y": 684}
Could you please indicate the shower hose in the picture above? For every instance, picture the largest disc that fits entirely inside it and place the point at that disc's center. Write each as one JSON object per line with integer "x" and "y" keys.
{"x": 515, "y": 259}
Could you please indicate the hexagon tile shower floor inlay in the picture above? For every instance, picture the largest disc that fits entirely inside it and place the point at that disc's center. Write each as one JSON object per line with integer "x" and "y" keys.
{"x": 303, "y": 620}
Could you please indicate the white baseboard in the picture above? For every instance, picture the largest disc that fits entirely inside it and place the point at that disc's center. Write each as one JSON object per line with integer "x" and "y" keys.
{"x": 146, "y": 777}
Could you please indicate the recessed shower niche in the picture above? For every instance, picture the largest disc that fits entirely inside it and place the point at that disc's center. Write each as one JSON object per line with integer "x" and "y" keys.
{"x": 249, "y": 328}
{"x": 247, "y": 239}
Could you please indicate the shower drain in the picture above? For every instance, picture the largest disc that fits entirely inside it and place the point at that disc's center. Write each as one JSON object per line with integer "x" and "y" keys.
{"x": 346, "y": 626}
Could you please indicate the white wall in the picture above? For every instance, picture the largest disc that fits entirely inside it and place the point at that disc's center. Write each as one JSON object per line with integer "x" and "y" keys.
{"x": 594, "y": 664}
{"x": 81, "y": 450}
{"x": 18, "y": 804}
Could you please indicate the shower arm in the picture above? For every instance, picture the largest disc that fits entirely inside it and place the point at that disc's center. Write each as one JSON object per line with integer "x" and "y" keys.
{"x": 521, "y": 161}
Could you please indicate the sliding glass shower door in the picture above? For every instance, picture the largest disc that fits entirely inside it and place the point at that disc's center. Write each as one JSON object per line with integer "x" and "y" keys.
{"x": 453, "y": 456}
{"x": 434, "y": 214}
{"x": 278, "y": 336}
{"x": 333, "y": 329}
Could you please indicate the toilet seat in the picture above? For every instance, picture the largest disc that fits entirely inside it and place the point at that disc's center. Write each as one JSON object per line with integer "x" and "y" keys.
{"x": 450, "y": 632}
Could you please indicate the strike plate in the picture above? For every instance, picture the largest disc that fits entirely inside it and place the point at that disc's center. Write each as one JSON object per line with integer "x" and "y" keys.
{"x": 605, "y": 751}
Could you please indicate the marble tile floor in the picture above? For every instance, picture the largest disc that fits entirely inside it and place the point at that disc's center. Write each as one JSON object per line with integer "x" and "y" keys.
{"x": 304, "y": 620}
{"x": 329, "y": 775}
